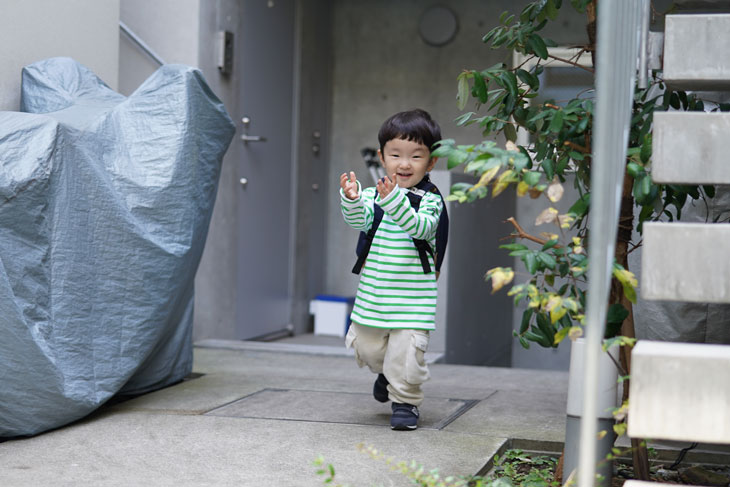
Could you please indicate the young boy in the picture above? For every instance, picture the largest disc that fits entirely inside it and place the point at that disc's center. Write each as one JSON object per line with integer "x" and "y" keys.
{"x": 395, "y": 306}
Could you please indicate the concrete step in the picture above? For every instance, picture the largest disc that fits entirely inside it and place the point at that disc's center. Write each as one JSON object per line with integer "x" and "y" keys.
{"x": 640, "y": 483}
{"x": 686, "y": 262}
{"x": 680, "y": 391}
{"x": 695, "y": 53}
{"x": 691, "y": 148}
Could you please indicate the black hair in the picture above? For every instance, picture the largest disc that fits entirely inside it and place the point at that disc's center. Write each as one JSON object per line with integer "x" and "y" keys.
{"x": 416, "y": 125}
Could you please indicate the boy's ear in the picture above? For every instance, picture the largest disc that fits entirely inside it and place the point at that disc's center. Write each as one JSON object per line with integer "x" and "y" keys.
{"x": 432, "y": 163}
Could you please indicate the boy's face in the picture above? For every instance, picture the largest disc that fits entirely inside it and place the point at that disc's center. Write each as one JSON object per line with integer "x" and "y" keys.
{"x": 407, "y": 159}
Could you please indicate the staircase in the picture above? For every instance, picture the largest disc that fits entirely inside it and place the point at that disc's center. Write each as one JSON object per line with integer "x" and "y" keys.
{"x": 681, "y": 391}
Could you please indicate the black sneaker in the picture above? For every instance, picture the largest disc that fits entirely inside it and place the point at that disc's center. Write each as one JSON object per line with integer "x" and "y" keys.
{"x": 405, "y": 416}
{"x": 380, "y": 389}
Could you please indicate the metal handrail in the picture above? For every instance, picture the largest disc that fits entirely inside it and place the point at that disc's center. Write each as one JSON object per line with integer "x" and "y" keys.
{"x": 140, "y": 43}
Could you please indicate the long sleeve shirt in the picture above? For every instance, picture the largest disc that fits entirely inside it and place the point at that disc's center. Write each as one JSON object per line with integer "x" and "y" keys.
{"x": 394, "y": 292}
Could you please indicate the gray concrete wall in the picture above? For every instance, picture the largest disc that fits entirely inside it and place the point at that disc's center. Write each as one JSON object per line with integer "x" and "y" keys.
{"x": 215, "y": 282}
{"x": 183, "y": 31}
{"x": 312, "y": 120}
{"x": 31, "y": 30}
{"x": 169, "y": 27}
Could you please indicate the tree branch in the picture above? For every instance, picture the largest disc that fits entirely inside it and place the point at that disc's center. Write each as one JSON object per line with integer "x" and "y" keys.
{"x": 577, "y": 147}
{"x": 521, "y": 233}
{"x": 572, "y": 63}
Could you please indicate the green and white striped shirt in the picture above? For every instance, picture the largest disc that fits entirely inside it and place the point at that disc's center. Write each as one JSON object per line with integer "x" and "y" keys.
{"x": 393, "y": 291}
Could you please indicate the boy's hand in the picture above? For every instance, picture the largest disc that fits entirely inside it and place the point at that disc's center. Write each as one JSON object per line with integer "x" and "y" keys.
{"x": 385, "y": 186}
{"x": 349, "y": 185}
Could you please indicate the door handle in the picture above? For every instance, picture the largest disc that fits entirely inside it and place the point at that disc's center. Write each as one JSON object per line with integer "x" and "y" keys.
{"x": 252, "y": 138}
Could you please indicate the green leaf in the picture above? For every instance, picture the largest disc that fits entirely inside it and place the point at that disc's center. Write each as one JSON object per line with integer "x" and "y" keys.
{"x": 525, "y": 344}
{"x": 442, "y": 151}
{"x": 557, "y": 122}
{"x": 709, "y": 191}
{"x": 548, "y": 167}
{"x": 462, "y": 93}
{"x": 645, "y": 153}
{"x": 542, "y": 114}
{"x": 551, "y": 10}
{"x": 530, "y": 261}
{"x": 510, "y": 132}
{"x": 490, "y": 35}
{"x": 526, "y": 317}
{"x": 683, "y": 98}
{"x": 480, "y": 88}
{"x": 537, "y": 45}
{"x": 510, "y": 83}
{"x": 520, "y": 161}
{"x": 537, "y": 336}
{"x": 550, "y": 279}
{"x": 642, "y": 189}
{"x": 462, "y": 119}
{"x": 456, "y": 157}
{"x": 513, "y": 246}
{"x": 616, "y": 313}
{"x": 529, "y": 79}
{"x": 547, "y": 260}
{"x": 674, "y": 100}
{"x": 532, "y": 178}
{"x": 630, "y": 293}
{"x": 580, "y": 207}
{"x": 550, "y": 244}
{"x": 561, "y": 334}
{"x": 634, "y": 169}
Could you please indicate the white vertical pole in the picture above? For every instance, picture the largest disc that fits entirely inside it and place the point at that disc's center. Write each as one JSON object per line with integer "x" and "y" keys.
{"x": 617, "y": 43}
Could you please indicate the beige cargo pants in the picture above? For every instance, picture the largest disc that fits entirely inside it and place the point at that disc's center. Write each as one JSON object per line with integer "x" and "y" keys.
{"x": 396, "y": 353}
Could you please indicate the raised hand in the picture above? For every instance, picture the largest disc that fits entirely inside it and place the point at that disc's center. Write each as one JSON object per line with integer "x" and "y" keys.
{"x": 349, "y": 185}
{"x": 386, "y": 185}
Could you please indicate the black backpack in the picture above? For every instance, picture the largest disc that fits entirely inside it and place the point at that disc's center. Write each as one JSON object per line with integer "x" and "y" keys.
{"x": 442, "y": 232}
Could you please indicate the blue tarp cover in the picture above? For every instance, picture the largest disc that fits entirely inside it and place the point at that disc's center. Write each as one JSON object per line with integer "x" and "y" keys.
{"x": 105, "y": 202}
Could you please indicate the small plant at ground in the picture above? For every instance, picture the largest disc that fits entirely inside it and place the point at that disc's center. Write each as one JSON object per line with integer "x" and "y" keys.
{"x": 518, "y": 468}
{"x": 327, "y": 471}
{"x": 515, "y": 468}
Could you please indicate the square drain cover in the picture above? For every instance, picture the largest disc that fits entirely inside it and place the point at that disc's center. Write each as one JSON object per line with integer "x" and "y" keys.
{"x": 337, "y": 407}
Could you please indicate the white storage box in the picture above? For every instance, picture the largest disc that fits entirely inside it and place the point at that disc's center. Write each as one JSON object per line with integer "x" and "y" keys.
{"x": 331, "y": 314}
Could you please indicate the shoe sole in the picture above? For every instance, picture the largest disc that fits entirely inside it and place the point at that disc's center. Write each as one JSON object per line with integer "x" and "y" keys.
{"x": 403, "y": 427}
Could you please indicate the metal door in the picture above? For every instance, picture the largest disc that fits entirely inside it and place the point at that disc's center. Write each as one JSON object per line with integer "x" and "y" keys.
{"x": 265, "y": 60}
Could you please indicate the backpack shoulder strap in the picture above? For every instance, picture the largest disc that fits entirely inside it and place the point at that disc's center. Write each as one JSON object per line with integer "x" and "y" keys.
{"x": 442, "y": 231}
{"x": 365, "y": 240}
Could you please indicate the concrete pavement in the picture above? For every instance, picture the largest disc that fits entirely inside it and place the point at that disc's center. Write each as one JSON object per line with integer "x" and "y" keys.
{"x": 258, "y": 414}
